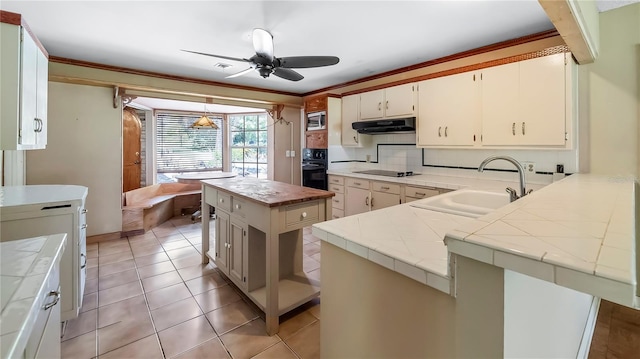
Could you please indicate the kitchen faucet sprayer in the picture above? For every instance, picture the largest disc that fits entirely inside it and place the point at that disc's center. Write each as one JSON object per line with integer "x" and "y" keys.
{"x": 512, "y": 193}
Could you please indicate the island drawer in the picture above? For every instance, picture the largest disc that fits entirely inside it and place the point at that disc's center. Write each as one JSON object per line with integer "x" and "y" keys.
{"x": 298, "y": 214}
{"x": 239, "y": 207}
{"x": 337, "y": 213}
{"x": 336, "y": 180}
{"x": 386, "y": 187}
{"x": 420, "y": 192}
{"x": 337, "y": 188}
{"x": 337, "y": 202}
{"x": 357, "y": 183}
{"x": 224, "y": 201}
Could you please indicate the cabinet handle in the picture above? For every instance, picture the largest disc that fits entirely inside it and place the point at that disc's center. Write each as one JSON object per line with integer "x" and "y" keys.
{"x": 53, "y": 293}
{"x": 237, "y": 206}
{"x": 84, "y": 226}
{"x": 84, "y": 265}
{"x": 421, "y": 194}
{"x": 336, "y": 201}
{"x": 513, "y": 129}
{"x": 371, "y": 202}
{"x": 357, "y": 183}
{"x": 385, "y": 187}
{"x": 445, "y": 131}
{"x": 84, "y": 211}
{"x": 366, "y": 201}
{"x": 386, "y": 105}
{"x": 221, "y": 200}
{"x": 379, "y": 106}
{"x": 355, "y": 139}
{"x": 523, "y": 128}
{"x": 439, "y": 129}
{"x": 335, "y": 216}
{"x": 304, "y": 215}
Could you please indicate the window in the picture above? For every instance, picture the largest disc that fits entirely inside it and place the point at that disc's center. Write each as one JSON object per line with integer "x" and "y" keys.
{"x": 248, "y": 139}
{"x": 181, "y": 148}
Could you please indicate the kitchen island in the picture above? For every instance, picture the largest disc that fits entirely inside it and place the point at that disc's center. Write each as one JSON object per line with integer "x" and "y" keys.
{"x": 524, "y": 280}
{"x": 257, "y": 242}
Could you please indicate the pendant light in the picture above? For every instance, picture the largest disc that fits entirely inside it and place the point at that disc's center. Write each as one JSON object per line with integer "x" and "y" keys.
{"x": 204, "y": 122}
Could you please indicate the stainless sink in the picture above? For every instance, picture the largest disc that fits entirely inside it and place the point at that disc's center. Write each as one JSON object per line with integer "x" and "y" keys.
{"x": 465, "y": 202}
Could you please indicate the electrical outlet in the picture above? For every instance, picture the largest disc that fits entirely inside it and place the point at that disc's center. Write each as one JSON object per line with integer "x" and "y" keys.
{"x": 287, "y": 153}
{"x": 293, "y": 153}
{"x": 529, "y": 167}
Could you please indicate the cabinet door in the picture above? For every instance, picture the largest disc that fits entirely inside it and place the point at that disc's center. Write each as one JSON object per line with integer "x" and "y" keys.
{"x": 449, "y": 110}
{"x": 357, "y": 201}
{"x": 237, "y": 243}
{"x": 382, "y": 200}
{"x": 500, "y": 104}
{"x": 29, "y": 90}
{"x": 350, "y": 111}
{"x": 41, "y": 99}
{"x": 542, "y": 101}
{"x": 222, "y": 240}
{"x": 399, "y": 100}
{"x": 371, "y": 105}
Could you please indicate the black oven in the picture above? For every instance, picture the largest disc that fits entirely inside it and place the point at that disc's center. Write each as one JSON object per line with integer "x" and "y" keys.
{"x": 314, "y": 168}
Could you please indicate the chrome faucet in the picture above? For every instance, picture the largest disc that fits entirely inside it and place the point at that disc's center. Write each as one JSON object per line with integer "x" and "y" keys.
{"x": 512, "y": 192}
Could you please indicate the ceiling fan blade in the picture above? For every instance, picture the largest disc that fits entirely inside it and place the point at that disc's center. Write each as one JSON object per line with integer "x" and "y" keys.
{"x": 219, "y": 56}
{"x": 263, "y": 43}
{"x": 287, "y": 74}
{"x": 239, "y": 73}
{"x": 300, "y": 62}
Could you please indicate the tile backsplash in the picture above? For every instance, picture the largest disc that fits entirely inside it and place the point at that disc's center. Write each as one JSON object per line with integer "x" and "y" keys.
{"x": 398, "y": 152}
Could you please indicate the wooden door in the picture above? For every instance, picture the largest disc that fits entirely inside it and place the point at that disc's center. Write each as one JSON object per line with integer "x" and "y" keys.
{"x": 131, "y": 164}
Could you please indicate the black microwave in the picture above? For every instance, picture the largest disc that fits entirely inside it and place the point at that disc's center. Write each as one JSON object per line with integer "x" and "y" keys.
{"x": 316, "y": 120}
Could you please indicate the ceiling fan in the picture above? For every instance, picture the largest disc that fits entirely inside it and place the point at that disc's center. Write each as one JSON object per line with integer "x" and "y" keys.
{"x": 265, "y": 63}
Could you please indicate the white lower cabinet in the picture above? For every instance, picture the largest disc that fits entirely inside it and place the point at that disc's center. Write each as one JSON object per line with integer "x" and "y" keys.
{"x": 44, "y": 341}
{"x": 31, "y": 211}
{"x": 336, "y": 184}
{"x": 237, "y": 250}
{"x": 364, "y": 196}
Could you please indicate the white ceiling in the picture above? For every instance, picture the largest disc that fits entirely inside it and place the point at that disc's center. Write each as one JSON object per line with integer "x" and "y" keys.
{"x": 369, "y": 37}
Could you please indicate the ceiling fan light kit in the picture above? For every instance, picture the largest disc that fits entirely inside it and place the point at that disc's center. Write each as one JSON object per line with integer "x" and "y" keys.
{"x": 266, "y": 64}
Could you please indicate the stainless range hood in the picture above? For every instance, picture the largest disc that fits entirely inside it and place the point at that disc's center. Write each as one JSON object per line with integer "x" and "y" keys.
{"x": 381, "y": 127}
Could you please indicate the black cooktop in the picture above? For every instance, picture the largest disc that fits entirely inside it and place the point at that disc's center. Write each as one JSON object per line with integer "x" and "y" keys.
{"x": 386, "y": 173}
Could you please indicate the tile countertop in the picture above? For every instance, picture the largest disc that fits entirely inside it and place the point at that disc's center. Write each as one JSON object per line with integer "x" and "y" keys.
{"x": 26, "y": 265}
{"x": 447, "y": 182}
{"x": 578, "y": 232}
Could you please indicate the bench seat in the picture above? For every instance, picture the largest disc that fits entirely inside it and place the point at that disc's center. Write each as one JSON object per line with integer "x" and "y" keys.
{"x": 147, "y": 207}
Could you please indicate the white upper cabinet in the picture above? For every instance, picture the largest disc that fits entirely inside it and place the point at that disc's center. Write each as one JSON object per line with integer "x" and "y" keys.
{"x": 526, "y": 104}
{"x": 24, "y": 71}
{"x": 449, "y": 110}
{"x": 396, "y": 101}
{"x": 350, "y": 114}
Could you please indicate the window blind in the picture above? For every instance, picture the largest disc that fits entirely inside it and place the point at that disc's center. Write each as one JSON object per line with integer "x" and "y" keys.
{"x": 180, "y": 148}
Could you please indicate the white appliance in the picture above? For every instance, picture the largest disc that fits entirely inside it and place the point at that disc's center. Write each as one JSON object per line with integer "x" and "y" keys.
{"x": 37, "y": 210}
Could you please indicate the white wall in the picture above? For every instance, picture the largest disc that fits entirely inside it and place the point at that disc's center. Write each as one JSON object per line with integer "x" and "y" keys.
{"x": 84, "y": 148}
{"x": 613, "y": 98}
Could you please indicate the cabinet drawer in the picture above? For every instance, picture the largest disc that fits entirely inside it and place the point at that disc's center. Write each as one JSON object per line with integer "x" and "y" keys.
{"x": 337, "y": 202}
{"x": 239, "y": 207}
{"x": 336, "y": 180}
{"x": 300, "y": 213}
{"x": 420, "y": 192}
{"x": 358, "y": 183}
{"x": 385, "y": 187}
{"x": 224, "y": 201}
{"x": 337, "y": 213}
{"x": 336, "y": 188}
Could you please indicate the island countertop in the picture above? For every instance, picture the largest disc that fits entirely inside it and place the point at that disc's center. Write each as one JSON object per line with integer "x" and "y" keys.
{"x": 266, "y": 192}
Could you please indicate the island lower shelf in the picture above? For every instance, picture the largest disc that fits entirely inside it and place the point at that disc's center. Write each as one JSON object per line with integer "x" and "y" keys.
{"x": 293, "y": 290}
